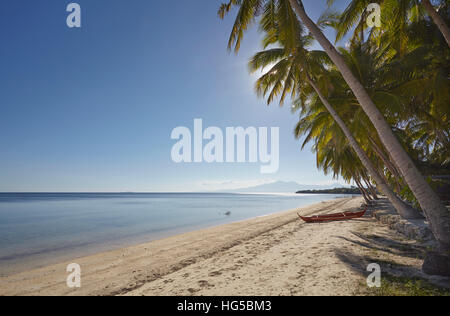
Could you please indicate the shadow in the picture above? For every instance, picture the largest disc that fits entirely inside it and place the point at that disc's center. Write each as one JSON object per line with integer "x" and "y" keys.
{"x": 401, "y": 248}
{"x": 393, "y": 247}
{"x": 365, "y": 219}
{"x": 359, "y": 264}
{"x": 382, "y": 205}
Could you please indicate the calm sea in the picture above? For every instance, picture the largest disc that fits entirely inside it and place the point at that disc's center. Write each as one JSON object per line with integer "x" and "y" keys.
{"x": 39, "y": 229}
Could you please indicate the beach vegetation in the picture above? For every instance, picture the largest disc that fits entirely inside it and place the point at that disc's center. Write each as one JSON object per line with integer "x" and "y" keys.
{"x": 404, "y": 286}
{"x": 377, "y": 110}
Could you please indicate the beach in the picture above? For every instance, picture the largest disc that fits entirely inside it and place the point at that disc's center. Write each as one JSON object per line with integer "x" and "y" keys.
{"x": 271, "y": 255}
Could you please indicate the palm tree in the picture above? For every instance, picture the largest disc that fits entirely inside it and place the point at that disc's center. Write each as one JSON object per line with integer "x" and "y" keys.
{"x": 354, "y": 14}
{"x": 437, "y": 19}
{"x": 398, "y": 12}
{"x": 410, "y": 94}
{"x": 437, "y": 214}
{"x": 292, "y": 72}
{"x": 334, "y": 153}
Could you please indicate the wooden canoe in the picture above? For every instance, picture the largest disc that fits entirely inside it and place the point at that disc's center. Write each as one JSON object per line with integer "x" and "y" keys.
{"x": 333, "y": 217}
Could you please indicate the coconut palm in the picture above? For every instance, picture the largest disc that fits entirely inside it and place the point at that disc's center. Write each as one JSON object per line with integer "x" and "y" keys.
{"x": 396, "y": 13}
{"x": 437, "y": 19}
{"x": 437, "y": 213}
{"x": 412, "y": 95}
{"x": 292, "y": 73}
{"x": 354, "y": 16}
{"x": 334, "y": 153}
{"x": 337, "y": 157}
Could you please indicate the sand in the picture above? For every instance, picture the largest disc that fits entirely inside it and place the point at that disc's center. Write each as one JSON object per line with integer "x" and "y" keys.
{"x": 273, "y": 255}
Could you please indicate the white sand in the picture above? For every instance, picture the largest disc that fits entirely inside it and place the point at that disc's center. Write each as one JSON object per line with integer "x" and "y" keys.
{"x": 272, "y": 255}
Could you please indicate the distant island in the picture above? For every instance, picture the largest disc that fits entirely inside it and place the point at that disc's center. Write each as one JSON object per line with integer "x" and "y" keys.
{"x": 332, "y": 191}
{"x": 284, "y": 187}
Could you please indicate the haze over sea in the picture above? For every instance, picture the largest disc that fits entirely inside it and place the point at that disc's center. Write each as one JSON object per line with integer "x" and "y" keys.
{"x": 37, "y": 229}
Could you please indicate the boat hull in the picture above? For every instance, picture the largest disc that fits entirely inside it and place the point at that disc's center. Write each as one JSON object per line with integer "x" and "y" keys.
{"x": 333, "y": 217}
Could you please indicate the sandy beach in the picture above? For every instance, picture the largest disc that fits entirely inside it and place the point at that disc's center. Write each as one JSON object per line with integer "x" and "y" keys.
{"x": 271, "y": 255}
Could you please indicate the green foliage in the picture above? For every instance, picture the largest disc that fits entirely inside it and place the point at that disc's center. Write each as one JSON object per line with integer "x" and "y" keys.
{"x": 404, "y": 66}
{"x": 408, "y": 195}
{"x": 332, "y": 191}
{"x": 401, "y": 286}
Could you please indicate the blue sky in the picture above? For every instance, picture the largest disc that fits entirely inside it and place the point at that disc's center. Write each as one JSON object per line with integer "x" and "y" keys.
{"x": 92, "y": 109}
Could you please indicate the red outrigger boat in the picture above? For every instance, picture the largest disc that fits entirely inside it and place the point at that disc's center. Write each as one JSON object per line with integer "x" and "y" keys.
{"x": 333, "y": 217}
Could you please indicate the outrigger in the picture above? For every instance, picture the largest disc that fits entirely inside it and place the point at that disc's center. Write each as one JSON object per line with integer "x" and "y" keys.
{"x": 333, "y": 217}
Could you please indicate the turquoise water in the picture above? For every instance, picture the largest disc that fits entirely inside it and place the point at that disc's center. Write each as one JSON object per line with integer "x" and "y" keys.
{"x": 40, "y": 229}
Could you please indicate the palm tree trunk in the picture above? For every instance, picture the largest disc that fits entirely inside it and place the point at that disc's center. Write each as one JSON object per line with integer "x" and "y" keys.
{"x": 435, "y": 210}
{"x": 366, "y": 193}
{"x": 437, "y": 19}
{"x": 391, "y": 167}
{"x": 400, "y": 181}
{"x": 371, "y": 189}
{"x": 358, "y": 184}
{"x": 402, "y": 209}
{"x": 384, "y": 159}
{"x": 362, "y": 23}
{"x": 374, "y": 191}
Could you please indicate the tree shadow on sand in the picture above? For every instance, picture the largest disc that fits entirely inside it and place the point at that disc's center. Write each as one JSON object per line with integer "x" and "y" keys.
{"x": 359, "y": 264}
{"x": 376, "y": 245}
{"x": 393, "y": 275}
{"x": 379, "y": 243}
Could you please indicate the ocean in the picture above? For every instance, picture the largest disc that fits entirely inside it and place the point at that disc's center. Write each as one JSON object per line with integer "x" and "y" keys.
{"x": 37, "y": 229}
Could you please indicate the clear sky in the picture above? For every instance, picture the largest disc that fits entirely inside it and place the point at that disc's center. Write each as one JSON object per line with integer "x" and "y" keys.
{"x": 92, "y": 109}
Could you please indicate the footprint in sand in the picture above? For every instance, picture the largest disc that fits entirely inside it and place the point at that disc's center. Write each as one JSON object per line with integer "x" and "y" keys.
{"x": 192, "y": 291}
{"x": 215, "y": 273}
{"x": 204, "y": 283}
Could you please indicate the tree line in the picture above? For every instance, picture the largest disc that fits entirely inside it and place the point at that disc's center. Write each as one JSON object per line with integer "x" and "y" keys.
{"x": 376, "y": 111}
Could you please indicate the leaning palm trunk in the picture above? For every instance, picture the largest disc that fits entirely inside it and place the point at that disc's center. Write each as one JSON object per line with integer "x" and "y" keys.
{"x": 385, "y": 159}
{"x": 437, "y": 19}
{"x": 395, "y": 173}
{"x": 402, "y": 209}
{"x": 363, "y": 192}
{"x": 437, "y": 213}
{"x": 374, "y": 192}
{"x": 371, "y": 189}
{"x": 366, "y": 193}
{"x": 361, "y": 188}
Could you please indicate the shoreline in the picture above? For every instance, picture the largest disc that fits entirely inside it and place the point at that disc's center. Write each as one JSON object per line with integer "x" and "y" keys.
{"x": 115, "y": 255}
{"x": 60, "y": 248}
{"x": 272, "y": 255}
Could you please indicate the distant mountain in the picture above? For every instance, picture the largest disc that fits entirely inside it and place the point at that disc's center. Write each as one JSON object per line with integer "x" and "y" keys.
{"x": 285, "y": 187}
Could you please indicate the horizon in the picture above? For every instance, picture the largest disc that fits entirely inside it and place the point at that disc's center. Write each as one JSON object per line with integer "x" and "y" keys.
{"x": 231, "y": 191}
{"x": 225, "y": 148}
{"x": 91, "y": 109}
